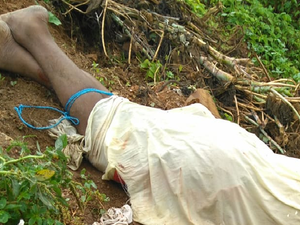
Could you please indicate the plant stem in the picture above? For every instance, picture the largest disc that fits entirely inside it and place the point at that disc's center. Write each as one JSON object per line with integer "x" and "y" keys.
{"x": 2, "y": 159}
{"x": 24, "y": 158}
{"x": 286, "y": 101}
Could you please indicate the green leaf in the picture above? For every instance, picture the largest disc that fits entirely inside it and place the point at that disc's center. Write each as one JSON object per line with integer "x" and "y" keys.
{"x": 61, "y": 142}
{"x": 170, "y": 75}
{"x": 23, "y": 207}
{"x": 62, "y": 201}
{"x": 32, "y": 220}
{"x": 24, "y": 195}
{"x": 13, "y": 206}
{"x": 82, "y": 174}
{"x": 15, "y": 188}
{"x": 53, "y": 19}
{"x": 2, "y": 203}
{"x": 228, "y": 117}
{"x": 4, "y": 216}
{"x": 57, "y": 190}
{"x": 47, "y": 202}
{"x": 49, "y": 221}
{"x": 297, "y": 77}
{"x": 39, "y": 220}
{"x": 145, "y": 64}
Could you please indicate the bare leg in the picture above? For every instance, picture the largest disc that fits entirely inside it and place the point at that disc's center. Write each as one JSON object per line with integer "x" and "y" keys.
{"x": 15, "y": 58}
{"x": 29, "y": 29}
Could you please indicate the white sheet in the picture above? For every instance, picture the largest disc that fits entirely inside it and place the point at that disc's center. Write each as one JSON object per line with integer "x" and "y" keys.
{"x": 183, "y": 166}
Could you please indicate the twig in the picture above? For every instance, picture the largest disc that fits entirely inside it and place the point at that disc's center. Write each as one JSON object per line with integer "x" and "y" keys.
{"x": 279, "y": 125}
{"x": 265, "y": 134}
{"x": 165, "y": 17}
{"x": 237, "y": 109}
{"x": 249, "y": 107}
{"x": 263, "y": 67}
{"x": 219, "y": 56}
{"x": 284, "y": 80}
{"x": 175, "y": 28}
{"x": 102, "y": 30}
{"x": 286, "y": 101}
{"x": 155, "y": 75}
{"x": 293, "y": 99}
{"x": 74, "y": 7}
{"x": 257, "y": 119}
{"x": 167, "y": 83}
{"x": 130, "y": 48}
{"x": 297, "y": 87}
{"x": 272, "y": 141}
{"x": 159, "y": 45}
{"x": 262, "y": 84}
{"x": 220, "y": 74}
{"x": 250, "y": 92}
{"x": 147, "y": 51}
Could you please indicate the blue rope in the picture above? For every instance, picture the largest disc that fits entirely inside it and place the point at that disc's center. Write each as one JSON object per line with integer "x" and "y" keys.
{"x": 66, "y": 114}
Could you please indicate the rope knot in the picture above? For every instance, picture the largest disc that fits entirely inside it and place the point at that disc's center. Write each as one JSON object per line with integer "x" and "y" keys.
{"x": 66, "y": 114}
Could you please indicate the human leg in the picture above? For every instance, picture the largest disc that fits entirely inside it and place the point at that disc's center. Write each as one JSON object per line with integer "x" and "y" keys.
{"x": 15, "y": 58}
{"x": 65, "y": 77}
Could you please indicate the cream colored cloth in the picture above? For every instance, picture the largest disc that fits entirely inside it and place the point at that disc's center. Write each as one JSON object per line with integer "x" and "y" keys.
{"x": 116, "y": 216}
{"x": 183, "y": 166}
{"x": 74, "y": 150}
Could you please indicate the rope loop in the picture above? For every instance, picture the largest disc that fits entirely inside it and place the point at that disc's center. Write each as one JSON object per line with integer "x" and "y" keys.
{"x": 66, "y": 114}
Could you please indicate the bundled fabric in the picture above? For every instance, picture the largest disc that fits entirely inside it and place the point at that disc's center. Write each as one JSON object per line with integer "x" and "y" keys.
{"x": 116, "y": 216}
{"x": 183, "y": 166}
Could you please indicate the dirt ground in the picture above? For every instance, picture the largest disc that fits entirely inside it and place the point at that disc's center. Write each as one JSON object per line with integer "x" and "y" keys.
{"x": 122, "y": 79}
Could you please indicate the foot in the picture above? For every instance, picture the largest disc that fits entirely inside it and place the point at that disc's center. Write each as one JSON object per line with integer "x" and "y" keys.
{"x": 16, "y": 59}
{"x": 27, "y": 24}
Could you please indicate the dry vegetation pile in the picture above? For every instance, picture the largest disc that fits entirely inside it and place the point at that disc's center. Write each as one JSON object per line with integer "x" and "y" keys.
{"x": 176, "y": 48}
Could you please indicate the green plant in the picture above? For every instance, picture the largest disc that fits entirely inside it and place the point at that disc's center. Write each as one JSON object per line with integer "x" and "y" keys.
{"x": 170, "y": 75}
{"x": 31, "y": 185}
{"x": 89, "y": 192}
{"x": 95, "y": 67}
{"x": 1, "y": 79}
{"x": 197, "y": 7}
{"x": 53, "y": 19}
{"x": 271, "y": 30}
{"x": 152, "y": 69}
{"x": 291, "y": 7}
{"x": 270, "y": 35}
{"x": 13, "y": 83}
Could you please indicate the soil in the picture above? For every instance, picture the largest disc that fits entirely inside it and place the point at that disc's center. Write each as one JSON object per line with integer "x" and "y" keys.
{"x": 121, "y": 78}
